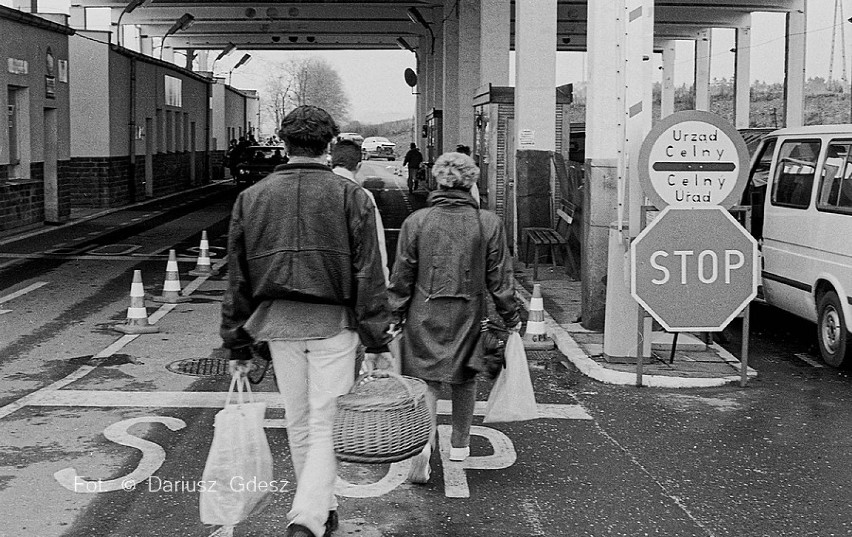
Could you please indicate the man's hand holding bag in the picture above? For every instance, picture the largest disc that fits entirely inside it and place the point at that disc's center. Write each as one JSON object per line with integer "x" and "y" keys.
{"x": 239, "y": 454}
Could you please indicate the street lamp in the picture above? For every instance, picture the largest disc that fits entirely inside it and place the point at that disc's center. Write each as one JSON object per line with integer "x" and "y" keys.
{"x": 182, "y": 23}
{"x": 244, "y": 60}
{"x": 128, "y": 9}
{"x": 229, "y": 48}
{"x": 417, "y": 18}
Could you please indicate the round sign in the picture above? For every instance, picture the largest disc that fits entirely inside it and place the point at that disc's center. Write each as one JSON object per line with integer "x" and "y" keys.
{"x": 410, "y": 77}
{"x": 693, "y": 159}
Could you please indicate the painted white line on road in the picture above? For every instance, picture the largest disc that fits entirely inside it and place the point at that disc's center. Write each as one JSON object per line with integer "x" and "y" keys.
{"x": 36, "y": 396}
{"x": 105, "y": 398}
{"x": 153, "y": 456}
{"x": 545, "y": 410}
{"x": 89, "y": 257}
{"x": 224, "y": 531}
{"x": 808, "y": 360}
{"x": 21, "y": 292}
{"x": 5, "y": 311}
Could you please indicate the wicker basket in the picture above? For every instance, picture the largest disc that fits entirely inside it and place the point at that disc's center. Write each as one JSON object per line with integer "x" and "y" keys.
{"x": 384, "y": 418}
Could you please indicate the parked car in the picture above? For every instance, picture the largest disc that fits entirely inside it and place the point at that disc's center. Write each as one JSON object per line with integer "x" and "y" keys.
{"x": 258, "y": 161}
{"x": 352, "y": 136}
{"x": 800, "y": 189}
{"x": 379, "y": 147}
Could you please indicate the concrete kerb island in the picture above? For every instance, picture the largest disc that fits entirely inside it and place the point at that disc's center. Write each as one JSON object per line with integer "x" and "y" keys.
{"x": 589, "y": 367}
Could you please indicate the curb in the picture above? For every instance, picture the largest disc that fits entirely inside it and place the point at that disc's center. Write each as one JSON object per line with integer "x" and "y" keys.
{"x": 27, "y": 234}
{"x": 592, "y": 369}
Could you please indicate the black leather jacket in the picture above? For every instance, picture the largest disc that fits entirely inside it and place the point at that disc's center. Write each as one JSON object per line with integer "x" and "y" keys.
{"x": 304, "y": 234}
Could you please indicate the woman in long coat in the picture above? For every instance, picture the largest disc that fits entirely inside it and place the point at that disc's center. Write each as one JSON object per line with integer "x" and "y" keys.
{"x": 448, "y": 256}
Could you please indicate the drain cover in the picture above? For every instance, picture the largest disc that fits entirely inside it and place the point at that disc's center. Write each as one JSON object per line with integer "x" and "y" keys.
{"x": 200, "y": 367}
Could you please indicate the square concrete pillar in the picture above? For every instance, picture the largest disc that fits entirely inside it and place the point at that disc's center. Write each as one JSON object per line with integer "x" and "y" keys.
{"x": 667, "y": 97}
{"x": 742, "y": 77}
{"x": 535, "y": 111}
{"x": 604, "y": 123}
{"x": 468, "y": 67}
{"x": 450, "y": 37}
{"x": 794, "y": 79}
{"x": 702, "y": 71}
{"x": 495, "y": 23}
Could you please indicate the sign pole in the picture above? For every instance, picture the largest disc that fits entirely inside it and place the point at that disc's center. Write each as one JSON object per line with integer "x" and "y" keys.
{"x": 744, "y": 351}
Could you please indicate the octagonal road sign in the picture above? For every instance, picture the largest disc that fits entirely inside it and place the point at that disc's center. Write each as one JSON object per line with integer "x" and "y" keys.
{"x": 694, "y": 269}
{"x": 693, "y": 159}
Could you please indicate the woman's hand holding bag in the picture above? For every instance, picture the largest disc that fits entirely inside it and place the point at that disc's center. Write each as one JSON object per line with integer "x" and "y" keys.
{"x": 512, "y": 397}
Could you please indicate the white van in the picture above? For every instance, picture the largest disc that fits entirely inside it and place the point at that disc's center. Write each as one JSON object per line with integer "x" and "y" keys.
{"x": 800, "y": 189}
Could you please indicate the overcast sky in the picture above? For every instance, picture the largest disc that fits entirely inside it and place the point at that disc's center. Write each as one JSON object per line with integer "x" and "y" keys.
{"x": 377, "y": 91}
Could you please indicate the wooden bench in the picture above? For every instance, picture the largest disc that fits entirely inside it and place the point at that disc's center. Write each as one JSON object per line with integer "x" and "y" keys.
{"x": 553, "y": 239}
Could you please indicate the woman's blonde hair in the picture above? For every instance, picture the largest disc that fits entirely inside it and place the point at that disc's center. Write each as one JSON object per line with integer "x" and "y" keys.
{"x": 455, "y": 170}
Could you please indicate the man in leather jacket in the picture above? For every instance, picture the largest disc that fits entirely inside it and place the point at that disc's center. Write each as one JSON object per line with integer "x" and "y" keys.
{"x": 305, "y": 275}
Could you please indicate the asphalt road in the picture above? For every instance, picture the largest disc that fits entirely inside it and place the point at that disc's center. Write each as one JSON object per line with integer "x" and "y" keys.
{"x": 98, "y": 437}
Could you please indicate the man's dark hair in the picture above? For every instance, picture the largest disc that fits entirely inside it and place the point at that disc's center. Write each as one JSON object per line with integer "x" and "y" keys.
{"x": 346, "y": 154}
{"x": 463, "y": 149}
{"x": 307, "y": 130}
{"x": 413, "y": 145}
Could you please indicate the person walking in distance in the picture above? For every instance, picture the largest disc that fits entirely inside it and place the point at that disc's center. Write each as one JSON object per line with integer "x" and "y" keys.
{"x": 449, "y": 258}
{"x": 345, "y": 162}
{"x": 413, "y": 159}
{"x": 305, "y": 276}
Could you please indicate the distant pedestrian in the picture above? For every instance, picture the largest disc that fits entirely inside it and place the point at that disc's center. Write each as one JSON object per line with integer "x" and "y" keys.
{"x": 305, "y": 276}
{"x": 413, "y": 159}
{"x": 449, "y": 258}
{"x": 346, "y": 162}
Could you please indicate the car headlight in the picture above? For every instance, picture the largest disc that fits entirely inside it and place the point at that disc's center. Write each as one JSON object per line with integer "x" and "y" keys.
{"x": 243, "y": 171}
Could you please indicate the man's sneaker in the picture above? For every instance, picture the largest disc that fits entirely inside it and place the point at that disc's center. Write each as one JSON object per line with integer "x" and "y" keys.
{"x": 420, "y": 469}
{"x": 297, "y": 530}
{"x": 458, "y": 454}
{"x": 331, "y": 524}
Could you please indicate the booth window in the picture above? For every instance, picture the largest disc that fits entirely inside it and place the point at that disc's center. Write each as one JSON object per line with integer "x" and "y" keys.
{"x": 794, "y": 175}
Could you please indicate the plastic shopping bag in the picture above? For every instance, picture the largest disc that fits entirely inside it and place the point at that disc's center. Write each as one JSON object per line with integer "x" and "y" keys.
{"x": 512, "y": 397}
{"x": 239, "y": 465}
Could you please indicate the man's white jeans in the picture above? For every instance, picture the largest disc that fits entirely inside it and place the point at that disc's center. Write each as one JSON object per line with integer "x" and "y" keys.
{"x": 311, "y": 374}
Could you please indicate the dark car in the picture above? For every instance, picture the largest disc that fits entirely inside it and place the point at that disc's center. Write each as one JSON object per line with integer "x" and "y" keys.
{"x": 258, "y": 161}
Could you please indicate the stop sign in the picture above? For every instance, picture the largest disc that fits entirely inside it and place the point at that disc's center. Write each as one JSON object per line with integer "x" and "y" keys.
{"x": 694, "y": 268}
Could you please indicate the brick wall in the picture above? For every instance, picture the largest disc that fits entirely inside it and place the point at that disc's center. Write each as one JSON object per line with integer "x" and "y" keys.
{"x": 21, "y": 203}
{"x": 99, "y": 182}
{"x": 171, "y": 173}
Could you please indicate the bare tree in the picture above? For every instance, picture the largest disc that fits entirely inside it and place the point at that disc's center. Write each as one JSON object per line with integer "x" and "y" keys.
{"x": 303, "y": 81}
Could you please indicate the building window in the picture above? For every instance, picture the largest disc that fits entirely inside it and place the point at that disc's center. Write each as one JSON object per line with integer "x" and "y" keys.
{"x": 17, "y": 116}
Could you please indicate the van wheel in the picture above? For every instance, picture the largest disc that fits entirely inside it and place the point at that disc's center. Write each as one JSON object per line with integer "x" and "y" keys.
{"x": 831, "y": 330}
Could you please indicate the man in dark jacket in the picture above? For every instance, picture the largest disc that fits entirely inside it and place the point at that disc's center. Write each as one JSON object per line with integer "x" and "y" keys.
{"x": 305, "y": 275}
{"x": 413, "y": 159}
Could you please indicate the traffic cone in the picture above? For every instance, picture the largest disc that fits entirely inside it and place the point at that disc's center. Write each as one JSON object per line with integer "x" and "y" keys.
{"x": 535, "y": 337}
{"x": 171, "y": 286}
{"x": 202, "y": 267}
{"x": 137, "y": 315}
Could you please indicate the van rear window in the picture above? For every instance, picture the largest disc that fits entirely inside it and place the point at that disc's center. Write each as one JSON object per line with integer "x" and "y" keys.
{"x": 794, "y": 173}
{"x": 835, "y": 191}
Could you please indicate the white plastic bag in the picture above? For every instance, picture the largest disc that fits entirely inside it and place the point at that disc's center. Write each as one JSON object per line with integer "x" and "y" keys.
{"x": 512, "y": 397}
{"x": 238, "y": 471}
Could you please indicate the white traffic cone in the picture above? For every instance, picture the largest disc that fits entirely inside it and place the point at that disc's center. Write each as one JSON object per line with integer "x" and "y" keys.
{"x": 535, "y": 337}
{"x": 202, "y": 267}
{"x": 171, "y": 286}
{"x": 137, "y": 315}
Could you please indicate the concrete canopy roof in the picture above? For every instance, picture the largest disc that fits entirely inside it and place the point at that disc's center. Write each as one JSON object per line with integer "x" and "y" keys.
{"x": 376, "y": 24}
